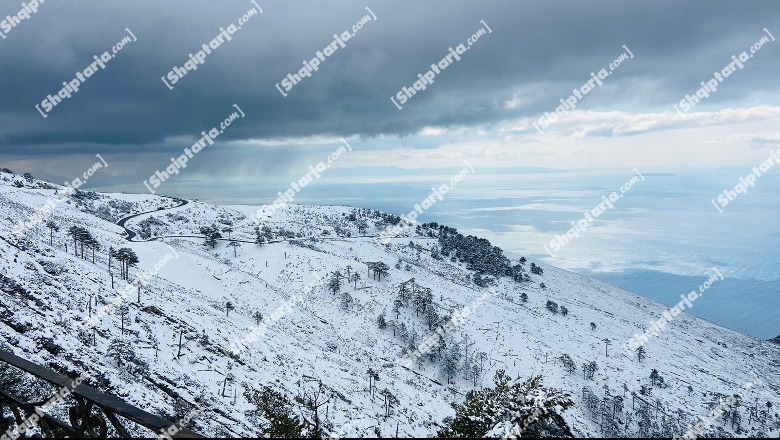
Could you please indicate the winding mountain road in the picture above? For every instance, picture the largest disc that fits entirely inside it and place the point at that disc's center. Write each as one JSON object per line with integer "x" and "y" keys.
{"x": 131, "y": 234}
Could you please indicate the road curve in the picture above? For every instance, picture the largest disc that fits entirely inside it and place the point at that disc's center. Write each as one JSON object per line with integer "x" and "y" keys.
{"x": 131, "y": 234}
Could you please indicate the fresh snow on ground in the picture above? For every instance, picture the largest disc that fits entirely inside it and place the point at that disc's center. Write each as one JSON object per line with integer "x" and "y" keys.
{"x": 45, "y": 291}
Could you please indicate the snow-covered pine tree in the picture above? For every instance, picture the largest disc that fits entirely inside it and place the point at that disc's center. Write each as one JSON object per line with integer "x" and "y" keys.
{"x": 122, "y": 352}
{"x": 492, "y": 412}
{"x": 276, "y": 413}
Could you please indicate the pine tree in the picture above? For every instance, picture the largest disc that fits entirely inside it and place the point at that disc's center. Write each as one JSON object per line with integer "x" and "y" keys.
{"x": 93, "y": 245}
{"x": 431, "y": 318}
{"x": 80, "y": 236}
{"x": 211, "y": 235}
{"x": 591, "y": 403}
{"x": 346, "y": 300}
{"x": 121, "y": 351}
{"x": 259, "y": 237}
{"x": 111, "y": 254}
{"x": 589, "y": 369}
{"x": 334, "y": 284}
{"x": 403, "y": 332}
{"x": 653, "y": 376}
{"x": 413, "y": 340}
{"x": 128, "y": 259}
{"x": 277, "y": 409}
{"x": 451, "y": 359}
{"x": 528, "y": 405}
{"x": 568, "y": 363}
{"x": 123, "y": 311}
{"x": 52, "y": 229}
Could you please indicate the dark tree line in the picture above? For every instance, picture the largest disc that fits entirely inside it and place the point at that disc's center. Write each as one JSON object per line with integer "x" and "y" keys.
{"x": 377, "y": 269}
{"x": 83, "y": 239}
{"x": 478, "y": 253}
{"x": 127, "y": 259}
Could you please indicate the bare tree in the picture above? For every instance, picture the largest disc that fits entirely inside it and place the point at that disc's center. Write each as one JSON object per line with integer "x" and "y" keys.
{"x": 235, "y": 245}
{"x": 310, "y": 402}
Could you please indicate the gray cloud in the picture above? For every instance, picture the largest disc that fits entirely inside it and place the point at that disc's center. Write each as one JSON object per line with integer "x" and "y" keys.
{"x": 537, "y": 51}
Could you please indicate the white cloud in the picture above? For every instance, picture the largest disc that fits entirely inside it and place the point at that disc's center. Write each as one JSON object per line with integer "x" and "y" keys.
{"x": 591, "y": 139}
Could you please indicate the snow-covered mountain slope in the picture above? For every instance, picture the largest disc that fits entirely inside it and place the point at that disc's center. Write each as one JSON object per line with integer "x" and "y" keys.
{"x": 334, "y": 337}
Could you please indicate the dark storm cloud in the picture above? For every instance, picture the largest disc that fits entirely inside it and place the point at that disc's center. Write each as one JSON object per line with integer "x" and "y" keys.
{"x": 550, "y": 47}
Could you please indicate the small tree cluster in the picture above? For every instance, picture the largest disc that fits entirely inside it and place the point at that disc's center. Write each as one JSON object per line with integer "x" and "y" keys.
{"x": 211, "y": 234}
{"x": 485, "y": 281}
{"x": 377, "y": 269}
{"x": 568, "y": 363}
{"x": 127, "y": 258}
{"x": 589, "y": 369}
{"x": 85, "y": 239}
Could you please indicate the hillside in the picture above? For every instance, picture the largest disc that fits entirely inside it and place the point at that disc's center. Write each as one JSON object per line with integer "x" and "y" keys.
{"x": 333, "y": 338}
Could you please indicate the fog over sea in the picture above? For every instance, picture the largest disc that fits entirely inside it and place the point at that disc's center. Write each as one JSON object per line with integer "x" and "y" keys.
{"x": 660, "y": 240}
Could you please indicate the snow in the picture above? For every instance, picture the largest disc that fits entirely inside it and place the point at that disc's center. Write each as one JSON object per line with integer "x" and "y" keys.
{"x": 190, "y": 292}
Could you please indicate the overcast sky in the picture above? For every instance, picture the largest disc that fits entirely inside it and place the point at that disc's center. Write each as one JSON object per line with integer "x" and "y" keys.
{"x": 480, "y": 108}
